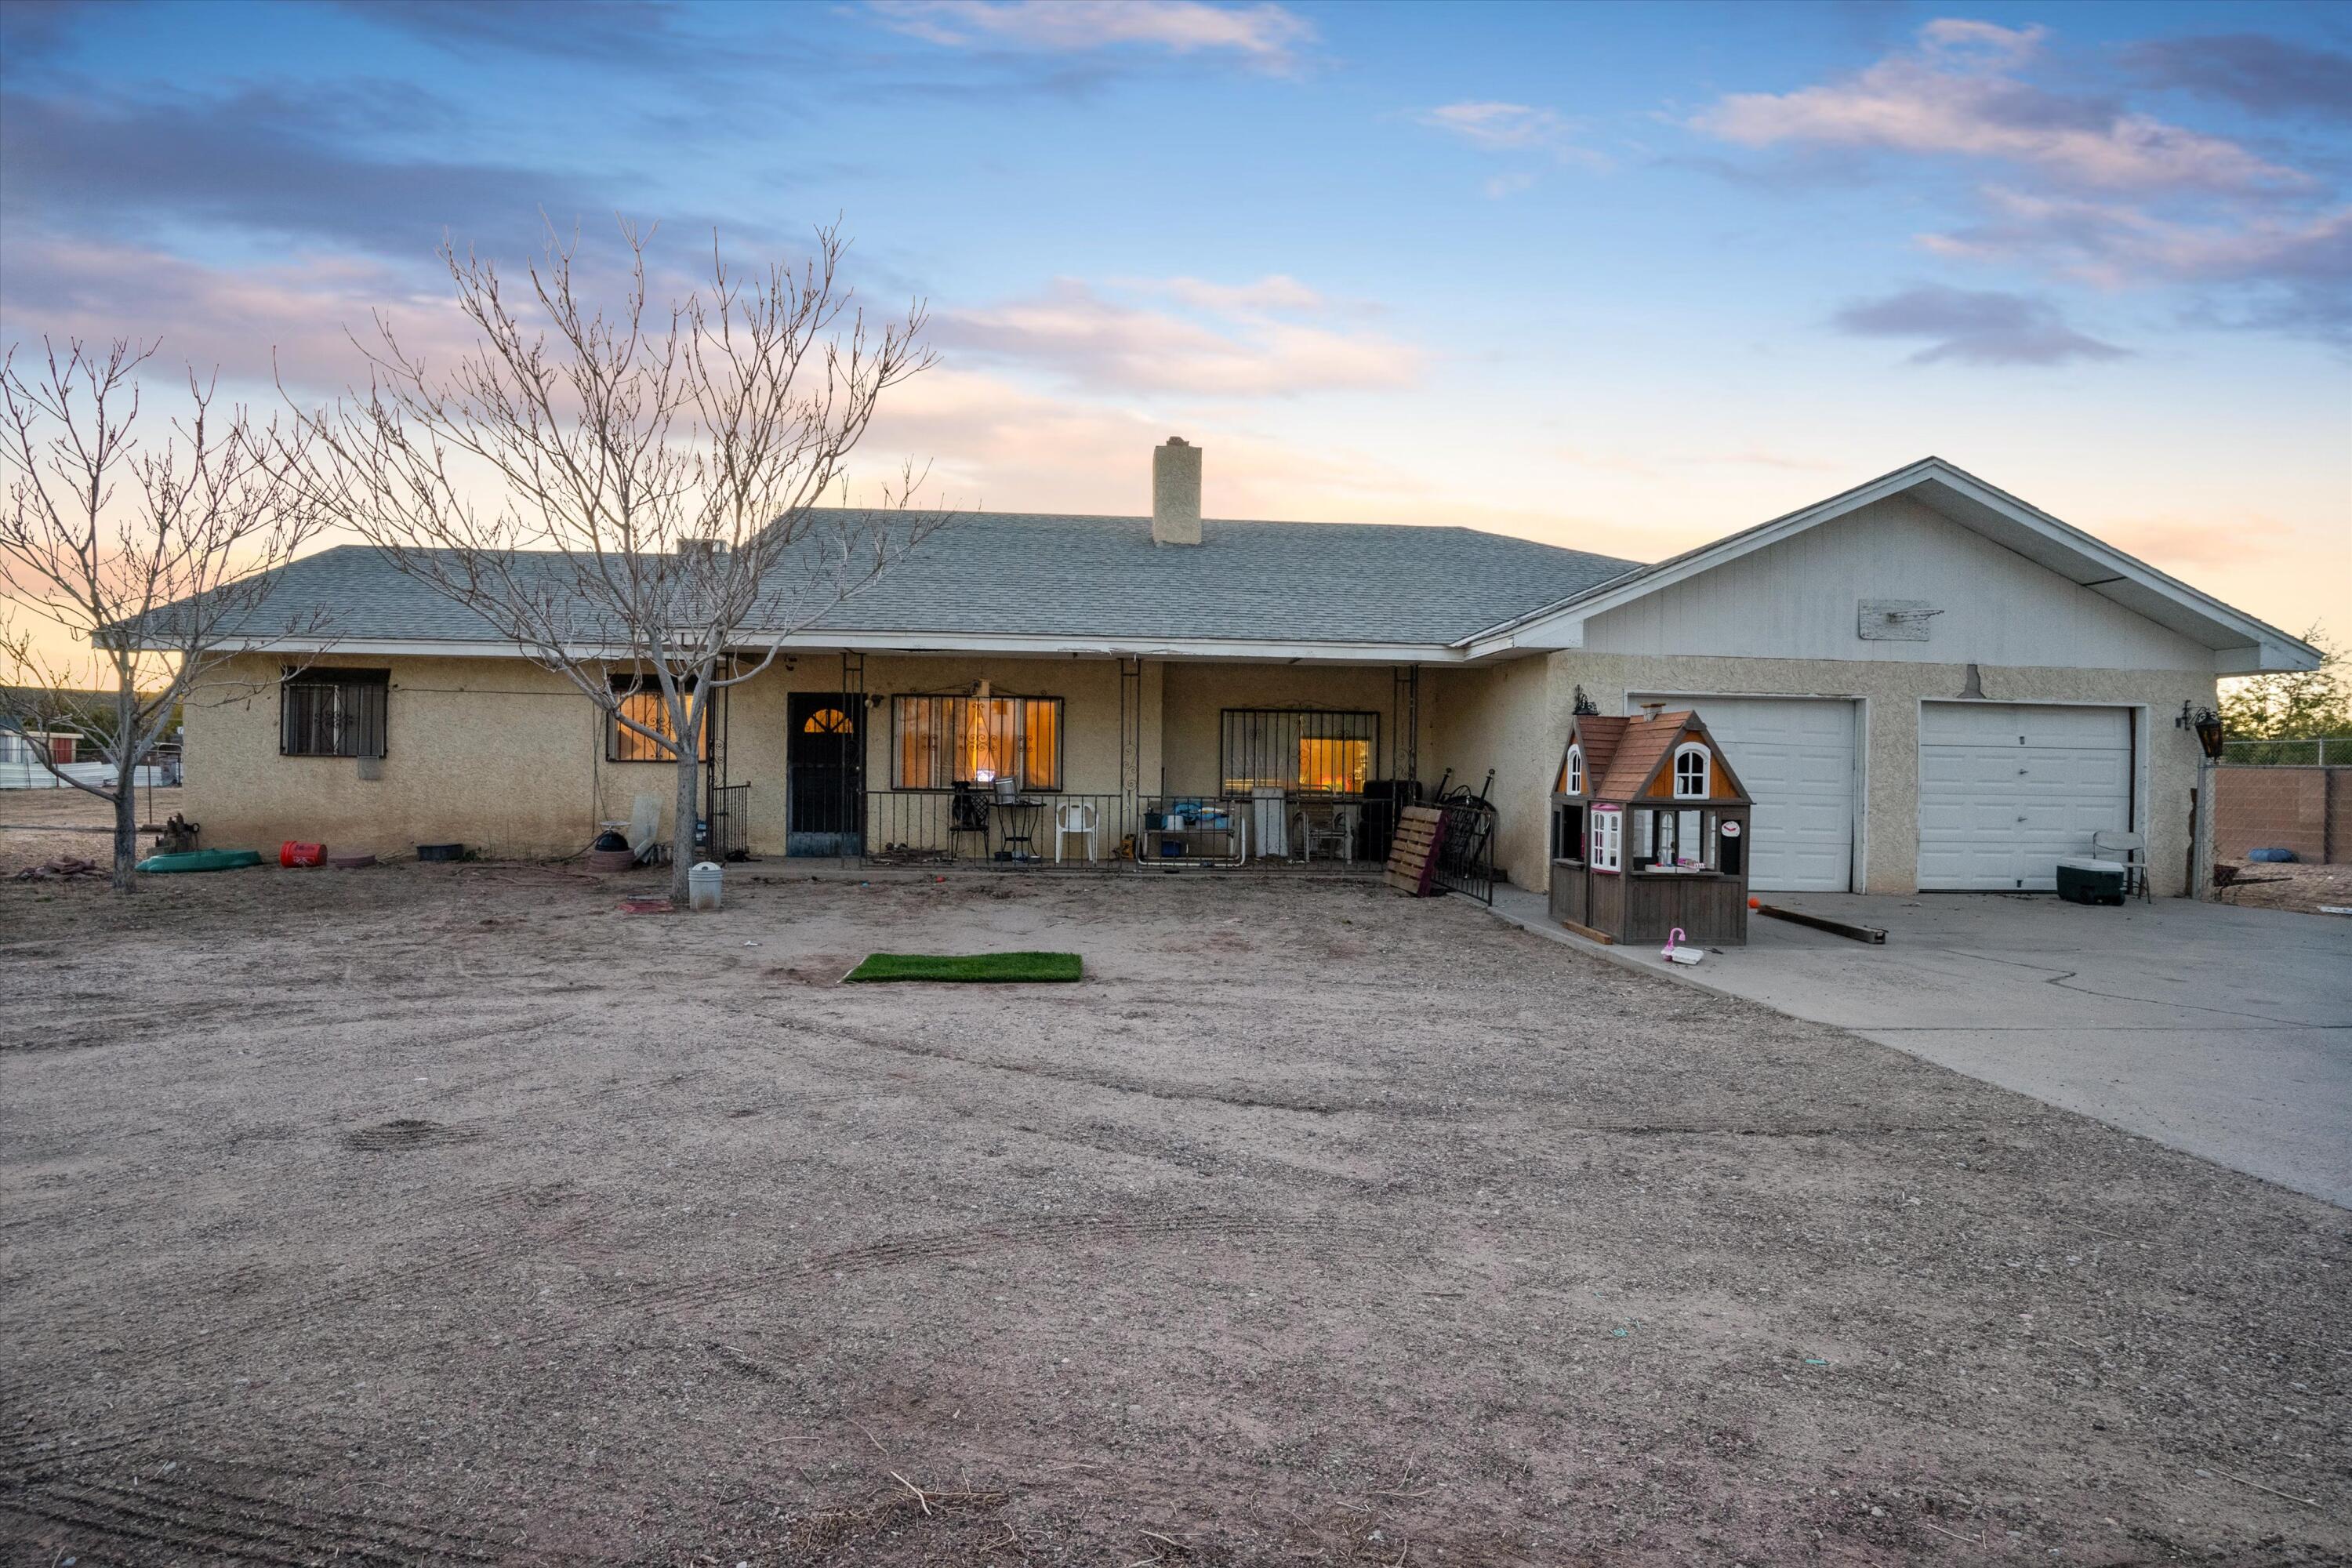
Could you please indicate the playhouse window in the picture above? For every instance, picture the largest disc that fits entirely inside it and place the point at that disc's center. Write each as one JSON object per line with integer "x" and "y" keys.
{"x": 1574, "y": 783}
{"x": 1568, "y": 832}
{"x": 1690, "y": 772}
{"x": 1608, "y": 840}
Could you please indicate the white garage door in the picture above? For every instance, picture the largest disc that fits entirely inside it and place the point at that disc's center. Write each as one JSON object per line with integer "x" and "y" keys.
{"x": 2005, "y": 791}
{"x": 1796, "y": 757}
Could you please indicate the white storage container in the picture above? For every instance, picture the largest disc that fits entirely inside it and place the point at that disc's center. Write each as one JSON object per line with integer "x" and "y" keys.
{"x": 702, "y": 881}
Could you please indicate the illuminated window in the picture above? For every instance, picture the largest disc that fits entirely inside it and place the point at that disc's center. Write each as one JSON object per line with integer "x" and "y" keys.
{"x": 942, "y": 741}
{"x": 1690, "y": 771}
{"x": 1302, "y": 752}
{"x": 828, "y": 721}
{"x": 639, "y": 699}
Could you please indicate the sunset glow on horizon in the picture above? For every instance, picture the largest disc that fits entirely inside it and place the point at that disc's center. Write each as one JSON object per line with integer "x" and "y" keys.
{"x": 1617, "y": 277}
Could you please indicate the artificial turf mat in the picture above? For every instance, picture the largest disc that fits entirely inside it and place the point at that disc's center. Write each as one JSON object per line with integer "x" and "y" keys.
{"x": 978, "y": 968}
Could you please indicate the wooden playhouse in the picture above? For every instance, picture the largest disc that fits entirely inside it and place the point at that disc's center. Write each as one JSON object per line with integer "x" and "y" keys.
{"x": 1649, "y": 832}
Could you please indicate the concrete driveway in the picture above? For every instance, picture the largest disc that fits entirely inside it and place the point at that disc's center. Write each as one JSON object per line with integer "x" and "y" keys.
{"x": 2225, "y": 1032}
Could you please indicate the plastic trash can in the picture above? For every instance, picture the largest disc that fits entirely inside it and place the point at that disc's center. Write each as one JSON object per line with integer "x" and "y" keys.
{"x": 702, "y": 879}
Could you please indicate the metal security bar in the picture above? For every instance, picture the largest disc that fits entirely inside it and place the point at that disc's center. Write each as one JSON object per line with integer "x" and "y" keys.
{"x": 1466, "y": 852}
{"x": 1019, "y": 829}
{"x": 939, "y": 743}
{"x": 729, "y": 823}
{"x": 333, "y": 713}
{"x": 1301, "y": 751}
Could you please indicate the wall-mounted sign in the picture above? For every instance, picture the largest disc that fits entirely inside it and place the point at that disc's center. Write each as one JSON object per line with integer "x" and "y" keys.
{"x": 1894, "y": 620}
{"x": 1731, "y": 830}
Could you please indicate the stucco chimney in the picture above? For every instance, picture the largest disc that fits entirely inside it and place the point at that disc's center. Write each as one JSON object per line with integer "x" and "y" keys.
{"x": 1176, "y": 493}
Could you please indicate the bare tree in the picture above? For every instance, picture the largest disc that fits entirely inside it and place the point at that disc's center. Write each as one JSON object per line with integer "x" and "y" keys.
{"x": 159, "y": 555}
{"x": 626, "y": 500}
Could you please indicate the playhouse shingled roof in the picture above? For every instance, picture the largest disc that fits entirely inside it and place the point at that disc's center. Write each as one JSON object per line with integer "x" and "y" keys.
{"x": 1642, "y": 744}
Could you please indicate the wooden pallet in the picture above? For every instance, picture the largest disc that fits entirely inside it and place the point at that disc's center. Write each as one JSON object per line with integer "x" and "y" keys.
{"x": 1412, "y": 854}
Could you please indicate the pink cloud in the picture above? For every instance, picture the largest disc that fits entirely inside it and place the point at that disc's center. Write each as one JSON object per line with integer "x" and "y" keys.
{"x": 1242, "y": 349}
{"x": 1266, "y": 35}
{"x": 295, "y": 313}
{"x": 1957, "y": 93}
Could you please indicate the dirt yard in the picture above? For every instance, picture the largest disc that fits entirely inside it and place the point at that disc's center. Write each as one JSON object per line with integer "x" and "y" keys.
{"x": 2292, "y": 886}
{"x": 37, "y": 825}
{"x": 446, "y": 1215}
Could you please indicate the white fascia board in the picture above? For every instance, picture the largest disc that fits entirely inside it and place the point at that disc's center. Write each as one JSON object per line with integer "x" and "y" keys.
{"x": 919, "y": 644}
{"x": 1544, "y": 637}
{"x": 2122, "y": 573}
{"x": 2103, "y": 570}
{"x": 2264, "y": 657}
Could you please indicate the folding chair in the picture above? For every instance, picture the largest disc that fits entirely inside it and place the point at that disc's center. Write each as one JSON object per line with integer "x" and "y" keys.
{"x": 2131, "y": 849}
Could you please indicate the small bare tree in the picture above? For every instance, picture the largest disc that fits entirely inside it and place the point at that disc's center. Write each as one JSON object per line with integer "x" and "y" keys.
{"x": 628, "y": 499}
{"x": 159, "y": 555}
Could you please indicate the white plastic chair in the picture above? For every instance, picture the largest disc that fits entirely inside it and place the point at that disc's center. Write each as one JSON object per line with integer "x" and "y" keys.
{"x": 1075, "y": 817}
{"x": 2131, "y": 849}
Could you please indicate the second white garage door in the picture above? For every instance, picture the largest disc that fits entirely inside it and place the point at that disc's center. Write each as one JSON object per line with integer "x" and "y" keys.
{"x": 1796, "y": 757}
{"x": 2005, "y": 791}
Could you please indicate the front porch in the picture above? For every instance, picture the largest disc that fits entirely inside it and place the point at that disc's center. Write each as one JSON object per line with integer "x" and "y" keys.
{"x": 1068, "y": 764}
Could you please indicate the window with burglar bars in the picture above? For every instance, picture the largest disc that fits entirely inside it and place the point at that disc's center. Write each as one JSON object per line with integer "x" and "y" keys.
{"x": 332, "y": 712}
{"x": 1308, "y": 752}
{"x": 939, "y": 742}
{"x": 640, "y": 698}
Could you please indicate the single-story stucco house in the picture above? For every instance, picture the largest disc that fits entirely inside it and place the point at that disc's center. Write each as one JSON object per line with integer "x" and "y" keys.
{"x": 1923, "y": 682}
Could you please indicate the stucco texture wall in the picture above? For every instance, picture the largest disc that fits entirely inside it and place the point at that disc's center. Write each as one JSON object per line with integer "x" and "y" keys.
{"x": 1197, "y": 694}
{"x": 492, "y": 753}
{"x": 1507, "y": 720}
{"x": 509, "y": 759}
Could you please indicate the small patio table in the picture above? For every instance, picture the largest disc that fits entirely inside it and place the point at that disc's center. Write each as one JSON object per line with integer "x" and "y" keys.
{"x": 1016, "y": 824}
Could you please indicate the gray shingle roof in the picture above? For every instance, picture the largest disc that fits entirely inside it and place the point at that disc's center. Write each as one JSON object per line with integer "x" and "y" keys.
{"x": 1030, "y": 575}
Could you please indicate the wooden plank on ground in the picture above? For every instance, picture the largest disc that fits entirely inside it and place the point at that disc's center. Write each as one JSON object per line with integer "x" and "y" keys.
{"x": 1412, "y": 854}
{"x": 1848, "y": 929}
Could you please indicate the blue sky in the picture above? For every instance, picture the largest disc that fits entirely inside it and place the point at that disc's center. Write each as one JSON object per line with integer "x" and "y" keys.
{"x": 1614, "y": 276}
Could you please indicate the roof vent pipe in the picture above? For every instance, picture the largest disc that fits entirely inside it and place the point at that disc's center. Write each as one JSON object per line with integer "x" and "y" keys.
{"x": 1650, "y": 712}
{"x": 1176, "y": 493}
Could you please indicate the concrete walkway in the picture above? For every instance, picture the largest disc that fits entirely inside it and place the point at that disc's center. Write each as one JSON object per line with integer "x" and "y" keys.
{"x": 2222, "y": 1031}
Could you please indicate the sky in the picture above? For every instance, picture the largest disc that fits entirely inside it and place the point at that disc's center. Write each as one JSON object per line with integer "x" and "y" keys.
{"x": 1621, "y": 277}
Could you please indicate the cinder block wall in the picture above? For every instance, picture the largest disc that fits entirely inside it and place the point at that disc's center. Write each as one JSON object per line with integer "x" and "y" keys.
{"x": 2287, "y": 808}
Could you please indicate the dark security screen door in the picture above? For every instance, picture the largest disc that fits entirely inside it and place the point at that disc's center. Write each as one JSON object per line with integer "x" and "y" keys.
{"x": 820, "y": 757}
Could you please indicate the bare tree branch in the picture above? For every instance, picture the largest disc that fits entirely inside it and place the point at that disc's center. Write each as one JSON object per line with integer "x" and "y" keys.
{"x": 159, "y": 555}
{"x": 630, "y": 493}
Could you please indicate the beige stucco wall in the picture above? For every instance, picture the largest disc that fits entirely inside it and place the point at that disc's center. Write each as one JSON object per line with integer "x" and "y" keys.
{"x": 1514, "y": 717}
{"x": 497, "y": 754}
{"x": 1196, "y": 694}
{"x": 492, "y": 751}
{"x": 500, "y": 755}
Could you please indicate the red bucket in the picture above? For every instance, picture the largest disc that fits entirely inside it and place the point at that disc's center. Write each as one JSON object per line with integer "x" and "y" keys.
{"x": 290, "y": 855}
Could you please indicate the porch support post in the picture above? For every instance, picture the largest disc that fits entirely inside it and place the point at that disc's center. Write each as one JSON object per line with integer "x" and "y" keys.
{"x": 1405, "y": 713}
{"x": 1130, "y": 745}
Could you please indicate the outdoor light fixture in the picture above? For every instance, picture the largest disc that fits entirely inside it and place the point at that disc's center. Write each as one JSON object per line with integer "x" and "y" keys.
{"x": 2208, "y": 725}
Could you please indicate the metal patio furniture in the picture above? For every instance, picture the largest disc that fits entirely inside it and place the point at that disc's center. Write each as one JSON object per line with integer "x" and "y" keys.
{"x": 1328, "y": 824}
